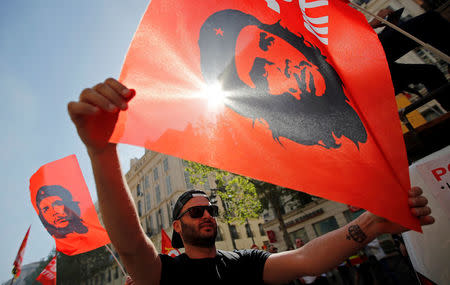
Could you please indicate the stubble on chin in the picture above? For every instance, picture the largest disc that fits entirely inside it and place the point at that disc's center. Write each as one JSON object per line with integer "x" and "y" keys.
{"x": 194, "y": 237}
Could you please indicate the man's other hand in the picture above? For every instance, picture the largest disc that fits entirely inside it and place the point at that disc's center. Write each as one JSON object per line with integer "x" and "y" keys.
{"x": 418, "y": 207}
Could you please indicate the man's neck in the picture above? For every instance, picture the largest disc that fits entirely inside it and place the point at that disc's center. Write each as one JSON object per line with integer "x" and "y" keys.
{"x": 195, "y": 252}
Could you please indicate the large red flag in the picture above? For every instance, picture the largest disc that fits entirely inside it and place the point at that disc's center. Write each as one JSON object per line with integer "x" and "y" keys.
{"x": 19, "y": 258}
{"x": 61, "y": 199}
{"x": 48, "y": 275}
{"x": 166, "y": 245}
{"x": 294, "y": 93}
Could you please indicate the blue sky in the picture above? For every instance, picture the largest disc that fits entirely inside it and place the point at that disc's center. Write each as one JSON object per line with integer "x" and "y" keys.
{"x": 49, "y": 52}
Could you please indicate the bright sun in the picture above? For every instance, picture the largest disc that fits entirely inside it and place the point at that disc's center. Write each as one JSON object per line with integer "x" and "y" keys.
{"x": 215, "y": 95}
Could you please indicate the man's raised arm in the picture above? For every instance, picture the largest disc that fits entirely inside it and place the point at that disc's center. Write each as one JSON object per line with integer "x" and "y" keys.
{"x": 95, "y": 115}
{"x": 327, "y": 251}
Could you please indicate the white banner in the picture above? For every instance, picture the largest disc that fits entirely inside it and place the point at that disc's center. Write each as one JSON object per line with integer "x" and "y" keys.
{"x": 430, "y": 251}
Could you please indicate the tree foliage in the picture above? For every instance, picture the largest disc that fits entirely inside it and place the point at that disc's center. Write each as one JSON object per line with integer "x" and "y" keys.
{"x": 237, "y": 192}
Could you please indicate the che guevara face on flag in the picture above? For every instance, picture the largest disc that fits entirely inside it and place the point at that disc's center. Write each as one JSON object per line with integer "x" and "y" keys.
{"x": 295, "y": 93}
{"x": 274, "y": 75}
{"x": 59, "y": 214}
{"x": 64, "y": 206}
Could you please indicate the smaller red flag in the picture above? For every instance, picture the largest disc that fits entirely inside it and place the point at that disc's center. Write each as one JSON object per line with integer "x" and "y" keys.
{"x": 62, "y": 201}
{"x": 18, "y": 262}
{"x": 166, "y": 245}
{"x": 48, "y": 275}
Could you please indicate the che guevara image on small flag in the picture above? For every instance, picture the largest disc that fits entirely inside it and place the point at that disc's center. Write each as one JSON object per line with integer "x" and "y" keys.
{"x": 296, "y": 93}
{"x": 62, "y": 201}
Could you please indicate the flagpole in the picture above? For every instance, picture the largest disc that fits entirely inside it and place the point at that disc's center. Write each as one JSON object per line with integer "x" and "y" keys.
{"x": 437, "y": 52}
{"x": 115, "y": 258}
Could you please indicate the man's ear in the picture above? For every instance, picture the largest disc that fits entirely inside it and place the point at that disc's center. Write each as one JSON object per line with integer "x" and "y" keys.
{"x": 176, "y": 226}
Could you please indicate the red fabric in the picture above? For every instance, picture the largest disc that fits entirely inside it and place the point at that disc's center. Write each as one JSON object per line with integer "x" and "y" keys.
{"x": 19, "y": 258}
{"x": 356, "y": 259}
{"x": 272, "y": 237}
{"x": 424, "y": 280}
{"x": 170, "y": 113}
{"x": 65, "y": 210}
{"x": 48, "y": 275}
{"x": 166, "y": 245}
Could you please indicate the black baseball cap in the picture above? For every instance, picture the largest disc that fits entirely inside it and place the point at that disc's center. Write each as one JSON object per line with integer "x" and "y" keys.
{"x": 177, "y": 242}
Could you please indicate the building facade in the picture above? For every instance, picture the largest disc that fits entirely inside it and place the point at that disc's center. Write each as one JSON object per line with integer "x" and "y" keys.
{"x": 310, "y": 221}
{"x": 430, "y": 110}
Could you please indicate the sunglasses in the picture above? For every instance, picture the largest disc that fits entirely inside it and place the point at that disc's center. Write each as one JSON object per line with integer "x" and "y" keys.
{"x": 198, "y": 211}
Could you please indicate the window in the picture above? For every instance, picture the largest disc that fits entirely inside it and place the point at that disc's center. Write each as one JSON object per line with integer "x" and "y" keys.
{"x": 166, "y": 164}
{"x": 158, "y": 194}
{"x": 261, "y": 229}
{"x": 350, "y": 216}
{"x": 139, "y": 190}
{"x": 159, "y": 220}
{"x": 155, "y": 174}
{"x": 146, "y": 182}
{"x": 233, "y": 231}
{"x": 149, "y": 226}
{"x": 139, "y": 208}
{"x": 169, "y": 185}
{"x": 151, "y": 223}
{"x": 169, "y": 211}
{"x": 147, "y": 202}
{"x": 299, "y": 234}
{"x": 248, "y": 230}
{"x": 282, "y": 210}
{"x": 161, "y": 212}
{"x": 325, "y": 226}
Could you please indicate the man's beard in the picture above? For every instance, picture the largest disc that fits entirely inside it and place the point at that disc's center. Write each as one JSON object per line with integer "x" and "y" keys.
{"x": 312, "y": 120}
{"x": 192, "y": 236}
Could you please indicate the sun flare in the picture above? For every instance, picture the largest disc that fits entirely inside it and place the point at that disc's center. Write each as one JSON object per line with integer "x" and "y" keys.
{"x": 215, "y": 95}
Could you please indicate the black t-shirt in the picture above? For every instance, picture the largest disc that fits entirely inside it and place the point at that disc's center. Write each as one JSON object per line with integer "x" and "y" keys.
{"x": 228, "y": 267}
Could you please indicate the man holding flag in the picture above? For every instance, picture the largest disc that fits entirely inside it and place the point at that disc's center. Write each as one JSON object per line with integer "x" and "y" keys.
{"x": 299, "y": 100}
{"x": 194, "y": 216}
